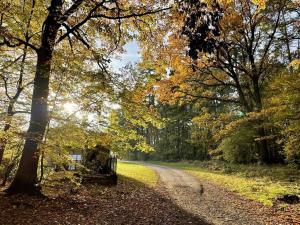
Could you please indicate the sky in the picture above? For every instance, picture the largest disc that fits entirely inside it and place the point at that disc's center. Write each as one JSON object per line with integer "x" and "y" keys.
{"x": 130, "y": 56}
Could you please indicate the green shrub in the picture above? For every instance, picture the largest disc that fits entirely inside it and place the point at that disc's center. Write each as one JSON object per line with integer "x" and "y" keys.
{"x": 292, "y": 147}
{"x": 239, "y": 147}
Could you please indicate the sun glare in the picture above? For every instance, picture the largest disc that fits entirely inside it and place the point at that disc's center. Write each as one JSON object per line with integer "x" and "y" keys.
{"x": 70, "y": 107}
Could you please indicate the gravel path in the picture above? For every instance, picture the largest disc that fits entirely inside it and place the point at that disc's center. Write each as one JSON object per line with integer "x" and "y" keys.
{"x": 203, "y": 199}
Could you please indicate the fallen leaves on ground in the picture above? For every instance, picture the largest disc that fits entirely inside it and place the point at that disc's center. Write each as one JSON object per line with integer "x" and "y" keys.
{"x": 129, "y": 202}
{"x": 278, "y": 214}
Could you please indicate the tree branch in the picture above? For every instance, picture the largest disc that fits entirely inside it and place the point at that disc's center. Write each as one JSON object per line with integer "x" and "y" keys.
{"x": 210, "y": 98}
{"x": 130, "y": 15}
{"x": 91, "y": 15}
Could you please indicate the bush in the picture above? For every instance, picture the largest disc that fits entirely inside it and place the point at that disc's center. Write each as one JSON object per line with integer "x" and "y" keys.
{"x": 291, "y": 149}
{"x": 239, "y": 147}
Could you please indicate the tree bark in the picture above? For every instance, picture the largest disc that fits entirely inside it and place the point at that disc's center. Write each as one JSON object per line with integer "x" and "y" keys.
{"x": 263, "y": 145}
{"x": 25, "y": 180}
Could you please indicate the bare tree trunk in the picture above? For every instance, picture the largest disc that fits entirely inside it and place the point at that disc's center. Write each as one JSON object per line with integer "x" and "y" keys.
{"x": 263, "y": 145}
{"x": 286, "y": 39}
{"x": 25, "y": 180}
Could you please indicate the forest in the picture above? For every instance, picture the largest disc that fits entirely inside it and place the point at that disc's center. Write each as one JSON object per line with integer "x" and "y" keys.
{"x": 215, "y": 83}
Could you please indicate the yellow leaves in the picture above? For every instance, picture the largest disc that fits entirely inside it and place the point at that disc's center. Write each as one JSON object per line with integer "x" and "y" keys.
{"x": 185, "y": 86}
{"x": 234, "y": 19}
{"x": 260, "y": 3}
{"x": 269, "y": 137}
{"x": 251, "y": 117}
{"x": 123, "y": 135}
{"x": 137, "y": 107}
{"x": 295, "y": 64}
{"x": 176, "y": 40}
{"x": 208, "y": 94}
{"x": 224, "y": 2}
{"x": 285, "y": 90}
{"x": 18, "y": 13}
{"x": 224, "y": 124}
{"x": 139, "y": 95}
{"x": 181, "y": 68}
{"x": 286, "y": 97}
{"x": 203, "y": 119}
{"x": 144, "y": 147}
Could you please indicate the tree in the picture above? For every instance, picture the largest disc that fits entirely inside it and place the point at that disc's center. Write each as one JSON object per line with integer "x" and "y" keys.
{"x": 248, "y": 58}
{"x": 136, "y": 115}
{"x": 12, "y": 93}
{"x": 239, "y": 54}
{"x": 63, "y": 19}
{"x": 173, "y": 140}
{"x": 285, "y": 102}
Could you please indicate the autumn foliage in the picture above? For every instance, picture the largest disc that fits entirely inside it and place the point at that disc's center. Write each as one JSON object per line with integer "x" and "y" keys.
{"x": 217, "y": 79}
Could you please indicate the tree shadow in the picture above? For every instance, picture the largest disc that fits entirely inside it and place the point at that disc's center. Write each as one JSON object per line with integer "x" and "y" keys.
{"x": 128, "y": 202}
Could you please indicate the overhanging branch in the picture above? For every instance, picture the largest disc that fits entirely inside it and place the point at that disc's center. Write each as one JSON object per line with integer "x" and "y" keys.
{"x": 92, "y": 15}
{"x": 212, "y": 98}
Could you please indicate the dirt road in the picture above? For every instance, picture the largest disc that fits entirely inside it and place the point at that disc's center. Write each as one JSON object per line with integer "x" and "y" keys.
{"x": 203, "y": 199}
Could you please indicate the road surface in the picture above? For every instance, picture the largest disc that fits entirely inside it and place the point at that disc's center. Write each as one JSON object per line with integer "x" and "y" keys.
{"x": 203, "y": 199}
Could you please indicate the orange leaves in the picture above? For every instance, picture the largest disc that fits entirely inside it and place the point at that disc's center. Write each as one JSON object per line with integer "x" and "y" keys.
{"x": 164, "y": 91}
{"x": 231, "y": 20}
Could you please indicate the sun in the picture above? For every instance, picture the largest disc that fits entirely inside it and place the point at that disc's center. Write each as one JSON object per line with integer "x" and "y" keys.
{"x": 70, "y": 107}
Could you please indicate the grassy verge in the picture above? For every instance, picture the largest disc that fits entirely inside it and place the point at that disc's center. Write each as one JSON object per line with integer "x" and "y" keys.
{"x": 259, "y": 183}
{"x": 130, "y": 174}
{"x": 137, "y": 172}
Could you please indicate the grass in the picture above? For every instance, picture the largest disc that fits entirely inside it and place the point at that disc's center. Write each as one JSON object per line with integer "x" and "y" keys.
{"x": 131, "y": 173}
{"x": 260, "y": 183}
{"x": 137, "y": 172}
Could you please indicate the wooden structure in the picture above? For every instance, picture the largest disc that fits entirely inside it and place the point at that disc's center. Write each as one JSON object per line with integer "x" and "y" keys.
{"x": 101, "y": 165}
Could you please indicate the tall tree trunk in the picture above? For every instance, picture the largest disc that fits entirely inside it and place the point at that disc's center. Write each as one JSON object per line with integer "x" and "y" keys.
{"x": 286, "y": 39}
{"x": 26, "y": 176}
{"x": 263, "y": 145}
{"x": 25, "y": 180}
